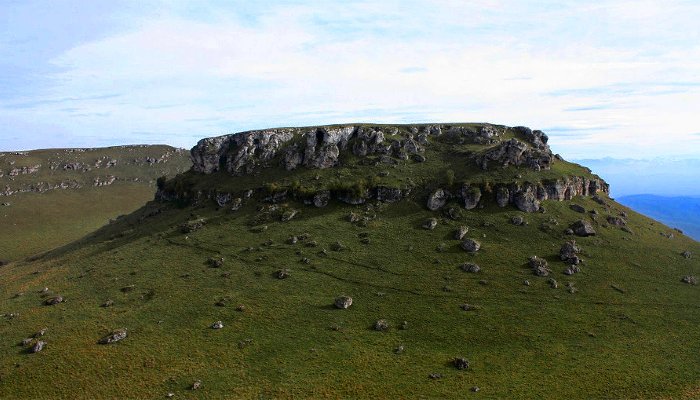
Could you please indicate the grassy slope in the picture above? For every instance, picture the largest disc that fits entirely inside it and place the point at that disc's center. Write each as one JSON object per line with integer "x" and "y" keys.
{"x": 525, "y": 342}
{"x": 37, "y": 222}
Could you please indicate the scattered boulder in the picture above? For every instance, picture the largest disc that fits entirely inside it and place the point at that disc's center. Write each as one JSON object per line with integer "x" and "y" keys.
{"x": 114, "y": 336}
{"x": 471, "y": 196}
{"x": 617, "y": 221}
{"x": 51, "y": 301}
{"x": 569, "y": 251}
{"x": 40, "y": 333}
{"x": 191, "y": 226}
{"x": 553, "y": 283}
{"x": 461, "y": 231}
{"x": 471, "y": 245}
{"x": 196, "y": 385}
{"x": 460, "y": 363}
{"x": 108, "y": 303}
{"x": 502, "y": 196}
{"x": 539, "y": 266}
{"x": 470, "y": 267}
{"x": 686, "y": 254}
{"x": 430, "y": 223}
{"x": 26, "y": 342}
{"x": 577, "y": 208}
{"x": 572, "y": 269}
{"x": 216, "y": 262}
{"x": 354, "y": 217}
{"x": 337, "y": 246}
{"x": 690, "y": 280}
{"x": 343, "y": 302}
{"x": 282, "y": 273}
{"x": 381, "y": 325}
{"x": 217, "y": 325}
{"x": 435, "y": 376}
{"x": 517, "y": 220}
{"x": 38, "y": 346}
{"x": 582, "y": 228}
{"x": 288, "y": 215}
{"x": 437, "y": 200}
{"x": 321, "y": 198}
{"x": 236, "y": 204}
{"x": 526, "y": 201}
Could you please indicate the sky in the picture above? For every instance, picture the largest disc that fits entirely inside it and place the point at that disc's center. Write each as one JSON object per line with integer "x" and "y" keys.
{"x": 609, "y": 78}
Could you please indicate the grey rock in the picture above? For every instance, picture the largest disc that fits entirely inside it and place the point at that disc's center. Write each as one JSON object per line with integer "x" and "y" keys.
{"x": 343, "y": 302}
{"x": 569, "y": 252}
{"x": 572, "y": 269}
{"x": 617, "y": 221}
{"x": 437, "y": 199}
{"x": 539, "y": 266}
{"x": 388, "y": 194}
{"x": 470, "y": 267}
{"x": 582, "y": 228}
{"x": 38, "y": 346}
{"x": 53, "y": 300}
{"x": 236, "y": 204}
{"x": 430, "y": 223}
{"x": 223, "y": 198}
{"x": 283, "y": 273}
{"x": 553, "y": 283}
{"x": 288, "y": 215}
{"x": 114, "y": 336}
{"x": 381, "y": 325}
{"x": 517, "y": 220}
{"x": 470, "y": 196}
{"x": 686, "y": 254}
{"x": 471, "y": 245}
{"x": 461, "y": 231}
{"x": 321, "y": 198}
{"x": 690, "y": 279}
{"x": 108, "y": 303}
{"x": 196, "y": 385}
{"x": 577, "y": 208}
{"x": 460, "y": 363}
{"x": 526, "y": 201}
{"x": 217, "y": 325}
{"x": 502, "y": 196}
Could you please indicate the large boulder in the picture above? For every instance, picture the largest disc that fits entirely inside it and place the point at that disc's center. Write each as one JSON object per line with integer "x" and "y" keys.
{"x": 437, "y": 199}
{"x": 582, "y": 228}
{"x": 569, "y": 252}
{"x": 471, "y": 196}
{"x": 526, "y": 201}
{"x": 471, "y": 245}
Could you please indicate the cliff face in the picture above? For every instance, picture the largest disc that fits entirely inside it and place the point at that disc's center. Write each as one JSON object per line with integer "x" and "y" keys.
{"x": 483, "y": 146}
{"x": 320, "y": 147}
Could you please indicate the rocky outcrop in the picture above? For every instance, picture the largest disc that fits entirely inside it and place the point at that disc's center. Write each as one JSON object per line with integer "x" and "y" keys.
{"x": 516, "y": 153}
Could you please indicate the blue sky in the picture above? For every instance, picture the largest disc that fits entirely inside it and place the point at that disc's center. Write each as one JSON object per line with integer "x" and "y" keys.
{"x": 603, "y": 79}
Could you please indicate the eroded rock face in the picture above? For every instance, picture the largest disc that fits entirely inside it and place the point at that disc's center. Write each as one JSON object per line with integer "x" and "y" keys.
{"x": 517, "y": 153}
{"x": 527, "y": 201}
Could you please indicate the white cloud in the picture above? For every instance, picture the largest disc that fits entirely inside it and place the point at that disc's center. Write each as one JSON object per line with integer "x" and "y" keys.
{"x": 614, "y": 65}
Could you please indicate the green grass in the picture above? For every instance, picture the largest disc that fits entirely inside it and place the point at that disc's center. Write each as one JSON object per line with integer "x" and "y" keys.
{"x": 524, "y": 342}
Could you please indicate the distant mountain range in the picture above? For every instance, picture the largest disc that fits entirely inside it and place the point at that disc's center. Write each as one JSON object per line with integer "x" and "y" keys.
{"x": 681, "y": 212}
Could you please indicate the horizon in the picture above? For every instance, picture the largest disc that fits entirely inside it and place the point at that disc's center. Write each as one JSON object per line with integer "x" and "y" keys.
{"x": 106, "y": 74}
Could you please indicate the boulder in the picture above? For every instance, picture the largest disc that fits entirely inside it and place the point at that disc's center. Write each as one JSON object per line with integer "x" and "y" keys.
{"x": 526, "y": 201}
{"x": 577, "y": 208}
{"x": 470, "y": 196}
{"x": 582, "y": 228}
{"x": 236, "y": 204}
{"x": 572, "y": 269}
{"x": 388, "y": 194}
{"x": 617, "y": 221}
{"x": 430, "y": 223}
{"x": 196, "y": 385}
{"x": 517, "y": 220}
{"x": 539, "y": 266}
{"x": 502, "y": 196}
{"x": 114, "y": 336}
{"x": 51, "y": 301}
{"x": 470, "y": 267}
{"x": 343, "y": 302}
{"x": 282, "y": 273}
{"x": 437, "y": 200}
{"x": 216, "y": 262}
{"x": 38, "y": 346}
{"x": 690, "y": 280}
{"x": 217, "y": 325}
{"x": 686, "y": 254}
{"x": 471, "y": 245}
{"x": 381, "y": 325}
{"x": 568, "y": 252}
{"x": 460, "y": 363}
{"x": 321, "y": 198}
{"x": 223, "y": 198}
{"x": 461, "y": 231}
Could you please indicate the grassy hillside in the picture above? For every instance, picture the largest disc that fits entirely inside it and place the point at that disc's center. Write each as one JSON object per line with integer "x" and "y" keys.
{"x": 52, "y": 197}
{"x": 682, "y": 211}
{"x": 625, "y": 326}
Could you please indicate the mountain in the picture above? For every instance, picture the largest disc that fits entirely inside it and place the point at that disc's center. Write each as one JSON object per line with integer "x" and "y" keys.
{"x": 362, "y": 261}
{"x": 682, "y": 212}
{"x": 49, "y": 198}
